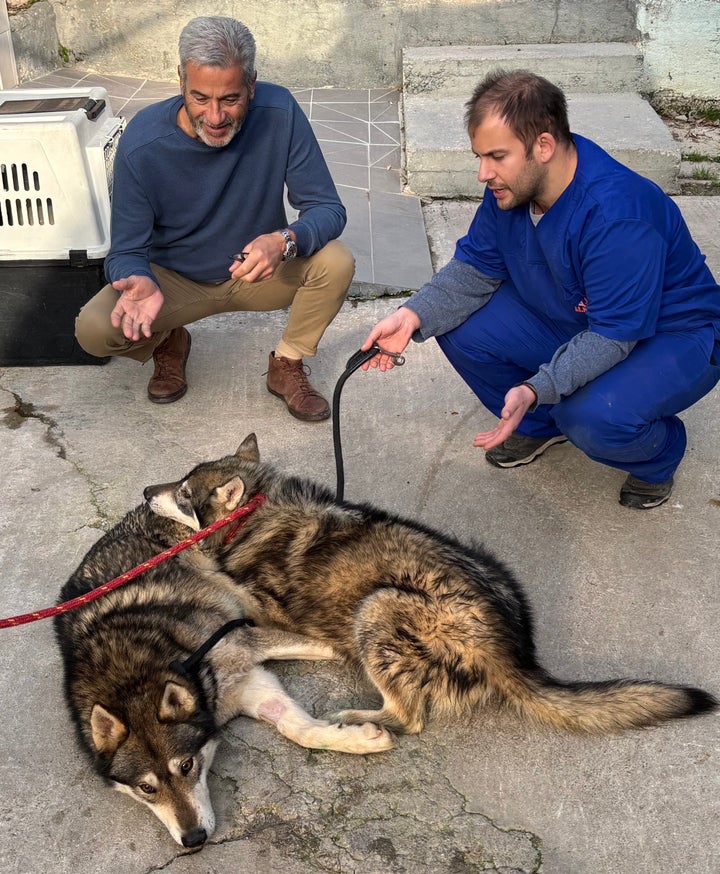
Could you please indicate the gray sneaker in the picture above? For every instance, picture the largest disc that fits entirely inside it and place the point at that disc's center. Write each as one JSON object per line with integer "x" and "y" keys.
{"x": 639, "y": 495}
{"x": 518, "y": 449}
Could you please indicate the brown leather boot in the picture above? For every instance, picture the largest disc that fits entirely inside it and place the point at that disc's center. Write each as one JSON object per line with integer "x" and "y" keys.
{"x": 286, "y": 379}
{"x": 168, "y": 381}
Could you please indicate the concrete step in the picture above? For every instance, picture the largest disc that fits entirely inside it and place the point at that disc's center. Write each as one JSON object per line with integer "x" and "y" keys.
{"x": 450, "y": 71}
{"x": 439, "y": 163}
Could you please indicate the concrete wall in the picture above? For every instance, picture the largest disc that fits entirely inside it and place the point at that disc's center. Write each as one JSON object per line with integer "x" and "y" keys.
{"x": 359, "y": 42}
{"x": 325, "y": 42}
{"x": 34, "y": 38}
{"x": 680, "y": 42}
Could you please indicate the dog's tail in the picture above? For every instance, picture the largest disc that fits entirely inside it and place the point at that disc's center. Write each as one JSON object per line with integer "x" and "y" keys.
{"x": 601, "y": 708}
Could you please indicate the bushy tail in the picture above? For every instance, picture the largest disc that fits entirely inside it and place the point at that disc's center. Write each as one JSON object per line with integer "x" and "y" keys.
{"x": 601, "y": 708}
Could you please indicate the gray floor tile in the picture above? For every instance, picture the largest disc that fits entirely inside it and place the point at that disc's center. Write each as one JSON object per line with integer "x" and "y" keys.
{"x": 125, "y": 86}
{"x": 346, "y": 153}
{"x": 62, "y": 78}
{"x": 382, "y": 133}
{"x": 385, "y": 179}
{"x": 332, "y": 112}
{"x": 350, "y": 174}
{"x": 341, "y": 95}
{"x": 398, "y": 234}
{"x": 128, "y": 107}
{"x": 387, "y": 155}
{"x": 384, "y": 95}
{"x": 341, "y": 131}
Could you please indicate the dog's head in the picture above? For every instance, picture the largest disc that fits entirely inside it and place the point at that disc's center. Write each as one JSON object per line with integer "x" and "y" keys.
{"x": 161, "y": 756}
{"x": 210, "y": 491}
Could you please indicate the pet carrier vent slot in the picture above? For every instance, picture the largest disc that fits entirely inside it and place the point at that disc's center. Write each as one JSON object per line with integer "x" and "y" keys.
{"x": 19, "y": 178}
{"x": 28, "y": 212}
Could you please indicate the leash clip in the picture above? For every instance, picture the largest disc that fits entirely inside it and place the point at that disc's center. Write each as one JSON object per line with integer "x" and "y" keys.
{"x": 362, "y": 356}
{"x": 397, "y": 357}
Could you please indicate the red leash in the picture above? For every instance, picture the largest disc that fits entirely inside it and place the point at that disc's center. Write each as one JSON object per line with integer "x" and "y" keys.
{"x": 237, "y": 514}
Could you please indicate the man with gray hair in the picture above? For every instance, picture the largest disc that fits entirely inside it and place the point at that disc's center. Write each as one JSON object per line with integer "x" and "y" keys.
{"x": 199, "y": 224}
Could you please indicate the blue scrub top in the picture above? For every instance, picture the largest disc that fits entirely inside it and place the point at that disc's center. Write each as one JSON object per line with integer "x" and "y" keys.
{"x": 612, "y": 254}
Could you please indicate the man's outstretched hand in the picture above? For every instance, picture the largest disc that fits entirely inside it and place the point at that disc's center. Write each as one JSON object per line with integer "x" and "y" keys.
{"x": 517, "y": 402}
{"x": 138, "y": 305}
{"x": 392, "y": 334}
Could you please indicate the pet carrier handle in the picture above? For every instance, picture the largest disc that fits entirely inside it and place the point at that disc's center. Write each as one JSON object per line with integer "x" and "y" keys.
{"x": 94, "y": 108}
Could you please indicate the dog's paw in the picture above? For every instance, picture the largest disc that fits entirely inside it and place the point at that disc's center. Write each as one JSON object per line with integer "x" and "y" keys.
{"x": 364, "y": 738}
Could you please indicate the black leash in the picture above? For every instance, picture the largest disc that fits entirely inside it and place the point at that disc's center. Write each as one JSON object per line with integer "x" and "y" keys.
{"x": 192, "y": 661}
{"x": 355, "y": 361}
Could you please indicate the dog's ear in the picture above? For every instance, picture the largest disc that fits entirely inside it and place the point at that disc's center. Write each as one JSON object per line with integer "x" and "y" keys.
{"x": 229, "y": 495}
{"x": 108, "y": 732}
{"x": 248, "y": 449}
{"x": 178, "y": 703}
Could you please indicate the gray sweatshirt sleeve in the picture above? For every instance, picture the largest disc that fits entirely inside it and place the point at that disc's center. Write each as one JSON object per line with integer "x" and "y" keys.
{"x": 454, "y": 293}
{"x": 576, "y": 363}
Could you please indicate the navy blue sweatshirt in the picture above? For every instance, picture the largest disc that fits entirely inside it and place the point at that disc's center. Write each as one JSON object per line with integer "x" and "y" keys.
{"x": 187, "y": 206}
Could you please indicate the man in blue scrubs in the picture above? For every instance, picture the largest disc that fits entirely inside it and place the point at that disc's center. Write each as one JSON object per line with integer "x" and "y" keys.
{"x": 577, "y": 307}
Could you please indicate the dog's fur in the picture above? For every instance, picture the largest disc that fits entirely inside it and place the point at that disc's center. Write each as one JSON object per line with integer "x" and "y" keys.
{"x": 434, "y": 624}
{"x": 150, "y": 728}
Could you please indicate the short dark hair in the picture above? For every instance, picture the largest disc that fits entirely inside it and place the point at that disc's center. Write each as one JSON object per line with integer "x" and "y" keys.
{"x": 217, "y": 41}
{"x": 529, "y": 104}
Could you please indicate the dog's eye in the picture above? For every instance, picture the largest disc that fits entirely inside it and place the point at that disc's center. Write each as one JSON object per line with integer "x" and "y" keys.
{"x": 187, "y": 766}
{"x": 146, "y": 788}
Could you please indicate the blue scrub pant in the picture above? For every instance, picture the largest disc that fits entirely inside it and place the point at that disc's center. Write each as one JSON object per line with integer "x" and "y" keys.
{"x": 625, "y": 418}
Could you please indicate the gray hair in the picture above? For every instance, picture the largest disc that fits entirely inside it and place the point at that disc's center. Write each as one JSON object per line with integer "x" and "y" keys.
{"x": 217, "y": 41}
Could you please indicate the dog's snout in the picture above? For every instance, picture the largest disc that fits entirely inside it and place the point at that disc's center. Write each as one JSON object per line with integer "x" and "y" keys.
{"x": 194, "y": 838}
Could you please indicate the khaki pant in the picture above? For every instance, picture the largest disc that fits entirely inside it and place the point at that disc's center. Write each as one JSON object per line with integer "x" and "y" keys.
{"x": 314, "y": 288}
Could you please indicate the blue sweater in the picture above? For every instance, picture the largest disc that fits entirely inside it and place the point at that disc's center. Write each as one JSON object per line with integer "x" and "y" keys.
{"x": 187, "y": 206}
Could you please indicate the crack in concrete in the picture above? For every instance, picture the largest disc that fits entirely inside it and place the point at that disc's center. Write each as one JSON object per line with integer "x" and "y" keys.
{"x": 16, "y": 417}
{"x": 438, "y": 461}
{"x": 361, "y": 813}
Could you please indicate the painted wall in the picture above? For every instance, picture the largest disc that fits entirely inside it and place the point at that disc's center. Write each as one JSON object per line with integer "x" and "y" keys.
{"x": 680, "y": 41}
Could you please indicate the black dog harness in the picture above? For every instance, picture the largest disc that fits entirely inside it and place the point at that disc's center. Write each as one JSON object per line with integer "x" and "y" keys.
{"x": 186, "y": 667}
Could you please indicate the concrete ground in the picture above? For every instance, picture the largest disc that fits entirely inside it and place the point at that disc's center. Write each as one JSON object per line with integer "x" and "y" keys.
{"x": 615, "y": 593}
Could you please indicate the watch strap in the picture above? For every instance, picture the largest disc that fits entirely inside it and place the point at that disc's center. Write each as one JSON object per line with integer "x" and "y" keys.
{"x": 290, "y": 245}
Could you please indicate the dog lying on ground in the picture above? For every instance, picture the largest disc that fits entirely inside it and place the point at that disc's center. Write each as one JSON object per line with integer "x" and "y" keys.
{"x": 147, "y": 715}
{"x": 436, "y": 626}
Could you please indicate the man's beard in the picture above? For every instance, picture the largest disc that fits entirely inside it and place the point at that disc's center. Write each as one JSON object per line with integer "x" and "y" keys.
{"x": 526, "y": 187}
{"x": 198, "y": 126}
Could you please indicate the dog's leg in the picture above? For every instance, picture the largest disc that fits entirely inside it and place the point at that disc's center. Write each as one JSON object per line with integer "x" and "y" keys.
{"x": 273, "y": 644}
{"x": 406, "y": 680}
{"x": 262, "y": 697}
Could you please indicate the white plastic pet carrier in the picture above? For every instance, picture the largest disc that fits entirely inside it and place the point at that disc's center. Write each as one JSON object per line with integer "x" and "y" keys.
{"x": 57, "y": 148}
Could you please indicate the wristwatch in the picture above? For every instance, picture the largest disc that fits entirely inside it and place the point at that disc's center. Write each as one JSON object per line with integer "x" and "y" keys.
{"x": 290, "y": 245}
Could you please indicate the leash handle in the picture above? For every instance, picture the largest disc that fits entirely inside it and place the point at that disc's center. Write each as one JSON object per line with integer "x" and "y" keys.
{"x": 363, "y": 355}
{"x": 355, "y": 361}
